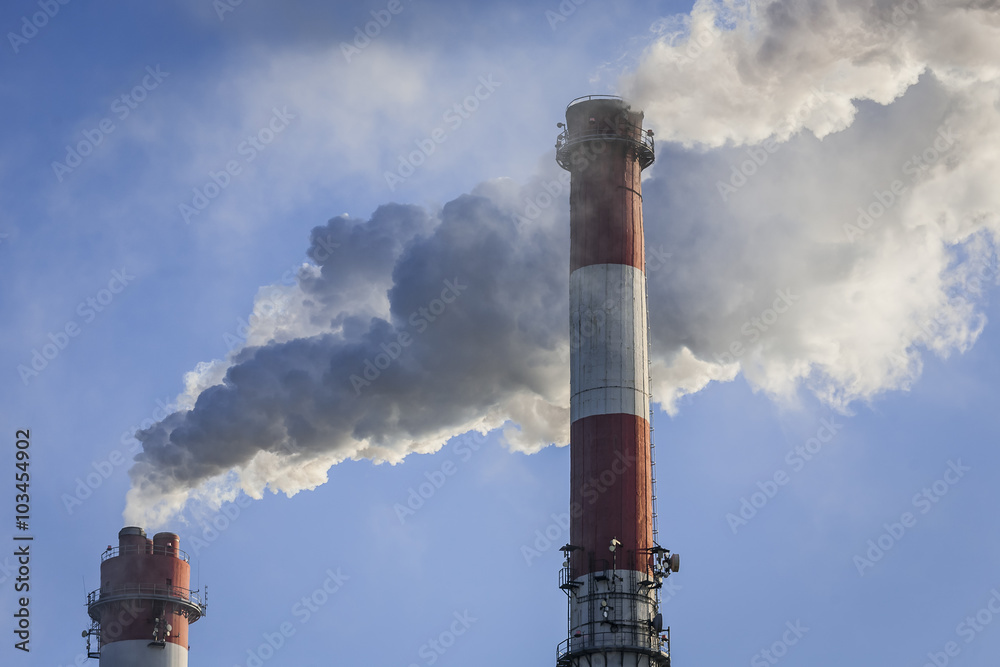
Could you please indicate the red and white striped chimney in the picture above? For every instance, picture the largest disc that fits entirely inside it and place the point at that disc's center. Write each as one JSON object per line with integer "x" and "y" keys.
{"x": 141, "y": 612}
{"x": 613, "y": 566}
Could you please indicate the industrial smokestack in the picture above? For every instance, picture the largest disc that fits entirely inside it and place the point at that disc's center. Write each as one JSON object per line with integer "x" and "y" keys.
{"x": 141, "y": 612}
{"x": 613, "y": 566}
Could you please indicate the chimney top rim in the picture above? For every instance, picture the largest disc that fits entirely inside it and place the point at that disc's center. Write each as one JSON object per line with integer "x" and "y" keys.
{"x": 599, "y": 98}
{"x": 131, "y": 530}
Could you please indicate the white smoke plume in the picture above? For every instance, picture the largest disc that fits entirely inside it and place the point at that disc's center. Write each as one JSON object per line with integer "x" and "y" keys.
{"x": 830, "y": 219}
{"x": 742, "y": 71}
{"x": 882, "y": 236}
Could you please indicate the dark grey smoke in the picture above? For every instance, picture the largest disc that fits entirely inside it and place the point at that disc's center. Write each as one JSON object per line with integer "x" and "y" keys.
{"x": 473, "y": 334}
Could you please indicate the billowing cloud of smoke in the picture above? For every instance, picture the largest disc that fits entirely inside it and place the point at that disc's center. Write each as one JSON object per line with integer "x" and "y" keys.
{"x": 741, "y": 71}
{"x": 827, "y": 263}
{"x": 409, "y": 328}
{"x": 815, "y": 239}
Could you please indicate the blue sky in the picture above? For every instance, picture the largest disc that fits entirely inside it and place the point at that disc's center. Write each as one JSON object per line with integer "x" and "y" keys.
{"x": 884, "y": 363}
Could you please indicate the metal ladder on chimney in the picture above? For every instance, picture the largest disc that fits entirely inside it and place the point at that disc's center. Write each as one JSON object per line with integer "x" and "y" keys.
{"x": 652, "y": 440}
{"x": 652, "y": 470}
{"x": 652, "y": 451}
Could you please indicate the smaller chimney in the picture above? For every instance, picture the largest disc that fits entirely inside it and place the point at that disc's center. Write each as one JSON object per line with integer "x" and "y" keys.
{"x": 141, "y": 613}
